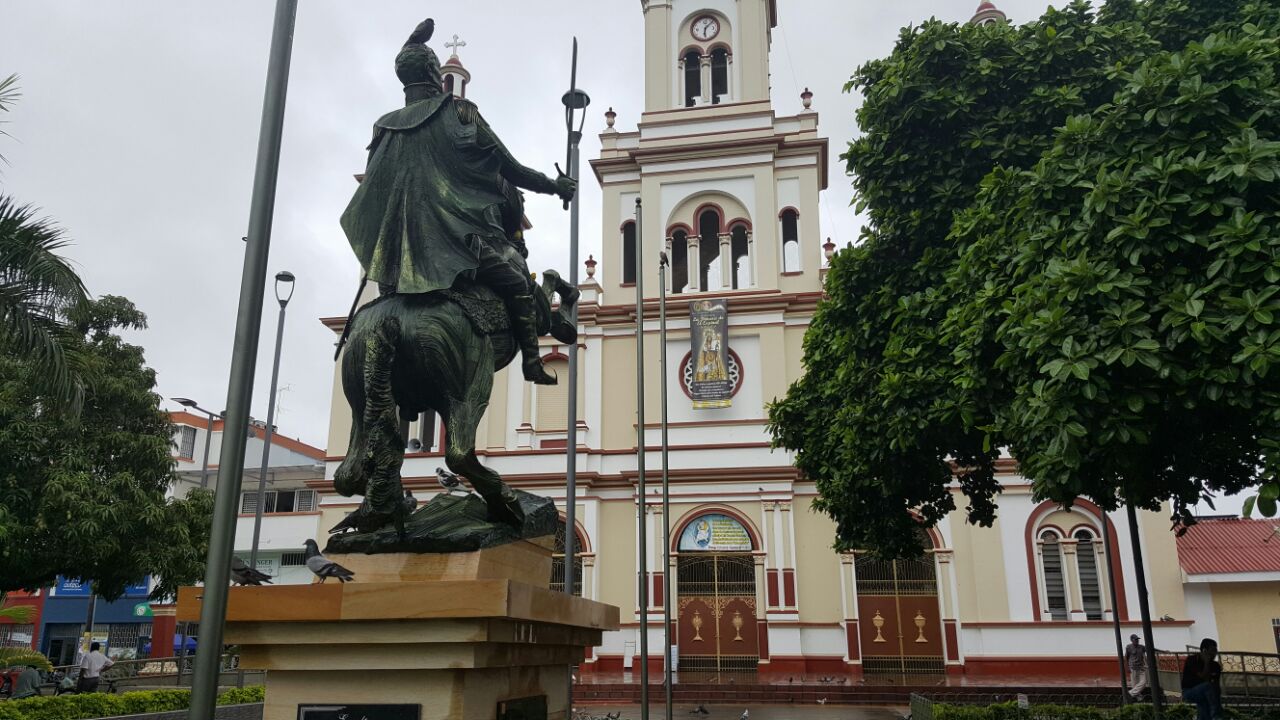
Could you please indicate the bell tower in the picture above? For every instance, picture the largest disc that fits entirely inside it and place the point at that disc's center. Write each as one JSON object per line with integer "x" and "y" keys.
{"x": 706, "y": 52}
{"x": 729, "y": 189}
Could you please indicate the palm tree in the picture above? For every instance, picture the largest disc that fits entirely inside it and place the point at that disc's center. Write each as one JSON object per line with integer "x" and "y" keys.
{"x": 14, "y": 656}
{"x": 37, "y": 287}
{"x": 8, "y": 96}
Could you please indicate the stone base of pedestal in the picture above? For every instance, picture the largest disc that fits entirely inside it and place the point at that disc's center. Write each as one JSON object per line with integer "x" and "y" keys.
{"x": 473, "y": 649}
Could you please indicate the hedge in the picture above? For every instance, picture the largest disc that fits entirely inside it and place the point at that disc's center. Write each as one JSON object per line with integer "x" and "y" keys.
{"x": 1137, "y": 711}
{"x": 100, "y": 705}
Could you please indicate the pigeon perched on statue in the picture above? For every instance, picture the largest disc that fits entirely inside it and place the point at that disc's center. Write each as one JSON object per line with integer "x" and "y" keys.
{"x": 323, "y": 567}
{"x": 410, "y": 502}
{"x": 449, "y": 481}
{"x": 242, "y": 574}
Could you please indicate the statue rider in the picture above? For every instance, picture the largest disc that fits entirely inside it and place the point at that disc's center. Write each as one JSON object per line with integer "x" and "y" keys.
{"x": 430, "y": 209}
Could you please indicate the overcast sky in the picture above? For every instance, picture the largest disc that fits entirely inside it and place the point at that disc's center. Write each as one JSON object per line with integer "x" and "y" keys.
{"x": 138, "y": 128}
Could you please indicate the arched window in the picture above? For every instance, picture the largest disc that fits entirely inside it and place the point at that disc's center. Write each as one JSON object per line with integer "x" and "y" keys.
{"x": 557, "y": 561}
{"x": 719, "y": 75}
{"x": 679, "y": 261}
{"x": 1087, "y": 563}
{"x": 741, "y": 257}
{"x": 1055, "y": 586}
{"x": 692, "y": 78}
{"x": 790, "y": 241}
{"x": 709, "y": 250}
{"x": 629, "y": 252}
{"x": 448, "y": 84}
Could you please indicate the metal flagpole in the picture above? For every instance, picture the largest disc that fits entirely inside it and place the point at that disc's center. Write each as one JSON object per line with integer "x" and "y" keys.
{"x": 1140, "y": 575}
{"x": 244, "y": 356}
{"x": 1115, "y": 610}
{"x": 666, "y": 487}
{"x": 573, "y": 100}
{"x": 643, "y": 539}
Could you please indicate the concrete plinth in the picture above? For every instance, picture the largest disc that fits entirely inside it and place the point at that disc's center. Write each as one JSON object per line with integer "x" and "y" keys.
{"x": 458, "y": 646}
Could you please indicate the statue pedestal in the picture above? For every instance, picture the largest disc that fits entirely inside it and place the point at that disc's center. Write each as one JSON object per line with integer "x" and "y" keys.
{"x": 458, "y": 646}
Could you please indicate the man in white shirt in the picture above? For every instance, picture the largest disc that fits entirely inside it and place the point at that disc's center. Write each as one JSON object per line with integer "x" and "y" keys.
{"x": 91, "y": 667}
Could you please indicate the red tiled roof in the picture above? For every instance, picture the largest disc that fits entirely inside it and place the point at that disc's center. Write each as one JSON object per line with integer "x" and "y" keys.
{"x": 1230, "y": 545}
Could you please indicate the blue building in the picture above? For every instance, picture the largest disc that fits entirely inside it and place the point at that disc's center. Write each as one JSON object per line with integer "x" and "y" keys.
{"x": 122, "y": 626}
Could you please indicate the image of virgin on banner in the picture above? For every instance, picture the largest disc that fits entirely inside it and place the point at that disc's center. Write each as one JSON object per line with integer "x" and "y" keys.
{"x": 709, "y": 354}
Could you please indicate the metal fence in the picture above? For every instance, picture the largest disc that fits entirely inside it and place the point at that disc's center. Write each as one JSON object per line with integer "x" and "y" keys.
{"x": 1247, "y": 678}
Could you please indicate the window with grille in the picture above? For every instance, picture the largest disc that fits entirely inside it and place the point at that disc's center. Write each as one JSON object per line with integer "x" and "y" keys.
{"x": 279, "y": 501}
{"x": 557, "y": 562}
{"x": 1087, "y": 564}
{"x": 293, "y": 559}
{"x": 186, "y": 441}
{"x": 1055, "y": 589}
{"x": 16, "y": 635}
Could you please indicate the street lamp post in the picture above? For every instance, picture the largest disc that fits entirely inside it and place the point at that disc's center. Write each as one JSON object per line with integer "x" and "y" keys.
{"x": 643, "y": 539}
{"x": 666, "y": 485}
{"x": 208, "y": 436}
{"x": 284, "y": 292}
{"x": 244, "y": 358}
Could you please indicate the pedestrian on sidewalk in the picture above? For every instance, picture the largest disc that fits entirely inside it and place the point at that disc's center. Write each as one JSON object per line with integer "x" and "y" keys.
{"x": 91, "y": 667}
{"x": 1200, "y": 678}
{"x": 1135, "y": 656}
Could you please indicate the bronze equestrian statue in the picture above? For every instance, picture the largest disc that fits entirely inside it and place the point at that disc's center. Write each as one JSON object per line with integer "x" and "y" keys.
{"x": 436, "y": 223}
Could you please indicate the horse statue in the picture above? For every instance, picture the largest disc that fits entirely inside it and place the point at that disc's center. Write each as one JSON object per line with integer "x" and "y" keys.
{"x": 433, "y": 352}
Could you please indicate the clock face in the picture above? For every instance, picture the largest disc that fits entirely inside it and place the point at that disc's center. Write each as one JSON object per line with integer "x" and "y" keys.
{"x": 705, "y": 28}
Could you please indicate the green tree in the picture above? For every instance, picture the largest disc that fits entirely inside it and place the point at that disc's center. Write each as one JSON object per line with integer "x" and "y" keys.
{"x": 1020, "y": 284}
{"x": 85, "y": 495}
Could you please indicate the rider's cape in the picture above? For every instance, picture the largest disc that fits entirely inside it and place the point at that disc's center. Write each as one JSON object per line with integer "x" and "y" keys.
{"x": 429, "y": 196}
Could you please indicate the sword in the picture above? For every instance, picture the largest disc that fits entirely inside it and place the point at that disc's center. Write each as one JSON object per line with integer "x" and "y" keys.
{"x": 346, "y": 329}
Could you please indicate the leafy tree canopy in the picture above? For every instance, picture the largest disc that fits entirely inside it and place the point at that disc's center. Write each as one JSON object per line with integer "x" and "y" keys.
{"x": 1072, "y": 254}
{"x": 85, "y": 495}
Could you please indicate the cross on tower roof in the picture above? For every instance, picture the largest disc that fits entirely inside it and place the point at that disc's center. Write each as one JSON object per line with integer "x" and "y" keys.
{"x": 455, "y": 43}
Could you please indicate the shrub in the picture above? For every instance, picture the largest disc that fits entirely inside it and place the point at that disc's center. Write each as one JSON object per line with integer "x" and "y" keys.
{"x": 100, "y": 705}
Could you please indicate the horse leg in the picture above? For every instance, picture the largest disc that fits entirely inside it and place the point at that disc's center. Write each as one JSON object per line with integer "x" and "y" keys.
{"x": 352, "y": 475}
{"x": 385, "y": 446}
{"x": 461, "y": 420}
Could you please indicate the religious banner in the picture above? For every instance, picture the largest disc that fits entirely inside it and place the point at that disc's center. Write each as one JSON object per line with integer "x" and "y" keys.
{"x": 711, "y": 386}
{"x": 715, "y": 533}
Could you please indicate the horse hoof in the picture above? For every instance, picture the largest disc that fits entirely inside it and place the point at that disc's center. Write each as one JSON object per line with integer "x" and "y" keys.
{"x": 506, "y": 512}
{"x": 535, "y": 373}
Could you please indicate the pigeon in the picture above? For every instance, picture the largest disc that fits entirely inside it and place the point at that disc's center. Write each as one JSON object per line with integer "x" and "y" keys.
{"x": 349, "y": 522}
{"x": 323, "y": 567}
{"x": 613, "y": 715}
{"x": 449, "y": 481}
{"x": 410, "y": 502}
{"x": 700, "y": 710}
{"x": 822, "y": 701}
{"x": 745, "y": 715}
{"x": 242, "y": 574}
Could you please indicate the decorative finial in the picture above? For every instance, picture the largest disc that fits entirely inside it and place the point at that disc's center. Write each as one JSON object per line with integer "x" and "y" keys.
{"x": 828, "y": 249}
{"x": 591, "y": 266}
{"x": 610, "y": 117}
{"x": 454, "y": 44}
{"x": 806, "y": 97}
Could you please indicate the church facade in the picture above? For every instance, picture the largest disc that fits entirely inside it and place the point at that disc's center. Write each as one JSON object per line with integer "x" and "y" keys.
{"x": 728, "y": 189}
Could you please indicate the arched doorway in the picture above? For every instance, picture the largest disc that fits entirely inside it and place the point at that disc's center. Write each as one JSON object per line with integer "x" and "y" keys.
{"x": 900, "y": 622}
{"x": 558, "y": 560}
{"x": 716, "y": 596}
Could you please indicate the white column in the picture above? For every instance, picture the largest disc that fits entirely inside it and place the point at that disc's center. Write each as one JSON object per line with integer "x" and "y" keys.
{"x": 1071, "y": 577}
{"x": 1104, "y": 578}
{"x": 705, "y": 66}
{"x": 726, "y": 261}
{"x": 693, "y": 262}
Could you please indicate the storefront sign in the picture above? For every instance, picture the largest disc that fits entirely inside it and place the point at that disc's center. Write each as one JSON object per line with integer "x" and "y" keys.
{"x": 709, "y": 354}
{"x": 715, "y": 533}
{"x": 143, "y": 610}
{"x": 142, "y": 587}
{"x": 359, "y": 712}
{"x": 72, "y": 587}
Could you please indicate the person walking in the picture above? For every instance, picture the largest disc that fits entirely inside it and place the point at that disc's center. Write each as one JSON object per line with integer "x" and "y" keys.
{"x": 1200, "y": 678}
{"x": 1135, "y": 656}
{"x": 91, "y": 667}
